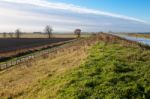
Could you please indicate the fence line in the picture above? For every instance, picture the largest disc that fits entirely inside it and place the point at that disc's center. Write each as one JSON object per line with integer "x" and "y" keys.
{"x": 22, "y": 59}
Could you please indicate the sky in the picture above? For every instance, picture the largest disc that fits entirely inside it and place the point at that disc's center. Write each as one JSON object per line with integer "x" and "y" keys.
{"x": 67, "y": 15}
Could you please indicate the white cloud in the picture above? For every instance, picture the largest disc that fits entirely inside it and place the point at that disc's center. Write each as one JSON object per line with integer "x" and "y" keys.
{"x": 33, "y": 15}
{"x": 70, "y": 7}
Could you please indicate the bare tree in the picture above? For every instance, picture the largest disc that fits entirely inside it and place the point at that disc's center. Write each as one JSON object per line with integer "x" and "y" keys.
{"x": 48, "y": 30}
{"x": 18, "y": 33}
{"x": 77, "y": 32}
{"x": 4, "y": 35}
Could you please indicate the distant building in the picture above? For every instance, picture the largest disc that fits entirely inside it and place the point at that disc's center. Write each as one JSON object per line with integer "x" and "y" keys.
{"x": 37, "y": 32}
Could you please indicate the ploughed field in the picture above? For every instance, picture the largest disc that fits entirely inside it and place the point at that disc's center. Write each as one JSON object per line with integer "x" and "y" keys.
{"x": 15, "y": 44}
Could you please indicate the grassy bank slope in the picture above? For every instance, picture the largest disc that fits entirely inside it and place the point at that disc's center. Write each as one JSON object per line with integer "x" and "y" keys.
{"x": 112, "y": 71}
{"x": 29, "y": 79}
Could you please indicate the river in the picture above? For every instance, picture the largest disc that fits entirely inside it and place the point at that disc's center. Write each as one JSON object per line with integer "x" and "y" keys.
{"x": 138, "y": 39}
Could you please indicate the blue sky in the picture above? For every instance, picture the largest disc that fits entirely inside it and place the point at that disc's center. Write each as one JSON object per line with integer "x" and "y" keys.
{"x": 134, "y": 8}
{"x": 66, "y": 15}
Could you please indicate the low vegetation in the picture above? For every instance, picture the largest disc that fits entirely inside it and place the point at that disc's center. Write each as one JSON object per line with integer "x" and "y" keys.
{"x": 144, "y": 35}
{"x": 102, "y": 67}
{"x": 110, "y": 72}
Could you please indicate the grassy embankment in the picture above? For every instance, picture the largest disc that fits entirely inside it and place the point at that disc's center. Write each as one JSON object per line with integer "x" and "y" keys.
{"x": 139, "y": 35}
{"x": 21, "y": 79}
{"x": 114, "y": 69}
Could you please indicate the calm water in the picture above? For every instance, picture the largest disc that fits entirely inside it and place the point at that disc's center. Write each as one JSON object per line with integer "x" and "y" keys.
{"x": 138, "y": 39}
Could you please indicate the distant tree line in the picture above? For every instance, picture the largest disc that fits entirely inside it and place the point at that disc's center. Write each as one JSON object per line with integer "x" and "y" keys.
{"x": 17, "y": 34}
{"x": 9, "y": 34}
{"x": 47, "y": 30}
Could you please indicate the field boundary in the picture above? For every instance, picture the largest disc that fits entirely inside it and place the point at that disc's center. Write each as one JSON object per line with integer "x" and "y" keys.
{"x": 18, "y": 60}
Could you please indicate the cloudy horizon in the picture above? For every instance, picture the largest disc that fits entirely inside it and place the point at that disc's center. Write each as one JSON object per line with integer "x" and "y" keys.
{"x": 30, "y": 16}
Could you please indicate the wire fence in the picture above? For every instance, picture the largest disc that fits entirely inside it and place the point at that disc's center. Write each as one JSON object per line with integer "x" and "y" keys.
{"x": 18, "y": 60}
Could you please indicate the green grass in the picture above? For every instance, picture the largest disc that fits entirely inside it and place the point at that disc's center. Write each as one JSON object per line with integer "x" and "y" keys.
{"x": 111, "y": 71}
{"x": 114, "y": 69}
